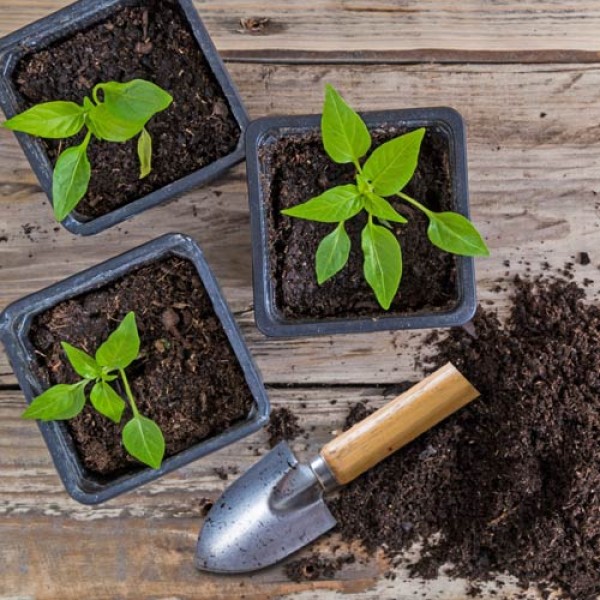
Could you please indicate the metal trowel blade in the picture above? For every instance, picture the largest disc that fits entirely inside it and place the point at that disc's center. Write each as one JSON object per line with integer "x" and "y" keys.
{"x": 272, "y": 510}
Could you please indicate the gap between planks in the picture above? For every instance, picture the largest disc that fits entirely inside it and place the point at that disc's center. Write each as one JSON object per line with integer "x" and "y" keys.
{"x": 380, "y": 31}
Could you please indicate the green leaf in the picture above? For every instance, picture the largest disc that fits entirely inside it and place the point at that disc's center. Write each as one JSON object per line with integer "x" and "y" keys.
{"x": 334, "y": 205}
{"x": 136, "y": 100}
{"x": 70, "y": 179}
{"x": 382, "y": 209}
{"x": 107, "y": 126}
{"x": 122, "y": 346}
{"x": 454, "y": 233}
{"x": 392, "y": 165}
{"x": 59, "y": 402}
{"x": 332, "y": 253}
{"x": 82, "y": 362}
{"x": 49, "y": 120}
{"x": 107, "y": 402}
{"x": 345, "y": 135}
{"x": 144, "y": 150}
{"x": 383, "y": 262}
{"x": 144, "y": 440}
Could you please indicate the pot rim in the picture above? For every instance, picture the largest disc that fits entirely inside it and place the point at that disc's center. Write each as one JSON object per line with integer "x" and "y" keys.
{"x": 268, "y": 317}
{"x": 16, "y": 319}
{"x": 69, "y": 20}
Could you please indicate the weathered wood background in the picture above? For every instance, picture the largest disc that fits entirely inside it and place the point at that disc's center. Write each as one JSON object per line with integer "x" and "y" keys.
{"x": 526, "y": 77}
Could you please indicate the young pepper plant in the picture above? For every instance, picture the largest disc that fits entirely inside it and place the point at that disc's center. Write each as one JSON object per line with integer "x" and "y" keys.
{"x": 385, "y": 173}
{"x": 141, "y": 436}
{"x": 119, "y": 115}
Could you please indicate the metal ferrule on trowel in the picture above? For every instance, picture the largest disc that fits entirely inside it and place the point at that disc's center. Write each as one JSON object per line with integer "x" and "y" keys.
{"x": 277, "y": 506}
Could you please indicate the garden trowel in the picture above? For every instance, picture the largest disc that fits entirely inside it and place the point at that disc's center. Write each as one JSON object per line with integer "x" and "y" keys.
{"x": 277, "y": 506}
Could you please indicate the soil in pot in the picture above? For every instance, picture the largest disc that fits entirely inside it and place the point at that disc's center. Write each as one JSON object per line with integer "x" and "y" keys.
{"x": 151, "y": 41}
{"x": 187, "y": 378}
{"x": 297, "y": 168}
{"x": 511, "y": 482}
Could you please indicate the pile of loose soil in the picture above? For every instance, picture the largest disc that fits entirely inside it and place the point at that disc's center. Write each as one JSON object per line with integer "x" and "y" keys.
{"x": 299, "y": 169}
{"x": 151, "y": 41}
{"x": 283, "y": 425}
{"x": 187, "y": 378}
{"x": 511, "y": 482}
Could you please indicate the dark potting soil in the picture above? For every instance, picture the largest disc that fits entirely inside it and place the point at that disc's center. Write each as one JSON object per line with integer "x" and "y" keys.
{"x": 187, "y": 378}
{"x": 298, "y": 169}
{"x": 151, "y": 41}
{"x": 511, "y": 482}
{"x": 283, "y": 425}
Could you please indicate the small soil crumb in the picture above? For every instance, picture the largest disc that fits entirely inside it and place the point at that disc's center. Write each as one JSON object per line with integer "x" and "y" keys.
{"x": 316, "y": 566}
{"x": 583, "y": 258}
{"x": 204, "y": 506}
{"x": 283, "y": 425}
{"x": 254, "y": 25}
{"x": 511, "y": 483}
{"x": 224, "y": 472}
{"x": 28, "y": 229}
{"x": 473, "y": 590}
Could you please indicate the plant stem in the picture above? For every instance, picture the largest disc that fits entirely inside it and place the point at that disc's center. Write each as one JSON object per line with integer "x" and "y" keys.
{"x": 86, "y": 141}
{"x": 413, "y": 202}
{"x": 136, "y": 412}
{"x": 357, "y": 165}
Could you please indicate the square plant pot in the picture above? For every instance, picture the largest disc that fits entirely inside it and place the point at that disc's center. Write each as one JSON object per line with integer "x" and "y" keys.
{"x": 286, "y": 165}
{"x": 195, "y": 140}
{"x": 84, "y": 298}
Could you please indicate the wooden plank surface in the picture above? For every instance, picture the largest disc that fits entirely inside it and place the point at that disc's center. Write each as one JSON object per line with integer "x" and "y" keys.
{"x": 391, "y": 30}
{"x": 533, "y": 182}
{"x": 524, "y": 74}
{"x": 142, "y": 544}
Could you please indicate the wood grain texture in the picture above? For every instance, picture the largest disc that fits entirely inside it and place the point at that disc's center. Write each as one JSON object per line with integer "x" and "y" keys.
{"x": 141, "y": 545}
{"x": 398, "y": 423}
{"x": 386, "y": 30}
{"x": 534, "y": 143}
{"x": 533, "y": 183}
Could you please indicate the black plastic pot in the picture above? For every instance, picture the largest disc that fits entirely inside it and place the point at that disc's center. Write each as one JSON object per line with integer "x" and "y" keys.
{"x": 16, "y": 320}
{"x": 268, "y": 317}
{"x": 66, "y": 22}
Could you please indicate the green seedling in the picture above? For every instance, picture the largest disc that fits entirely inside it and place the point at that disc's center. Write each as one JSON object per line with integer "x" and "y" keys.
{"x": 142, "y": 437}
{"x": 119, "y": 115}
{"x": 385, "y": 173}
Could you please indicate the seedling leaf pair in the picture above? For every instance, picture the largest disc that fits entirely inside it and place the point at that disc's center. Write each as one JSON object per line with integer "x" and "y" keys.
{"x": 384, "y": 173}
{"x": 142, "y": 438}
{"x": 118, "y": 112}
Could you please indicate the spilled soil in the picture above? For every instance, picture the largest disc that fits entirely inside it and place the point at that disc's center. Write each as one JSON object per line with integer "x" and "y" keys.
{"x": 283, "y": 426}
{"x": 511, "y": 483}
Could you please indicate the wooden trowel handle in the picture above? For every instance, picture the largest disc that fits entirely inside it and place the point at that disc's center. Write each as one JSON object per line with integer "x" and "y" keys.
{"x": 397, "y": 423}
